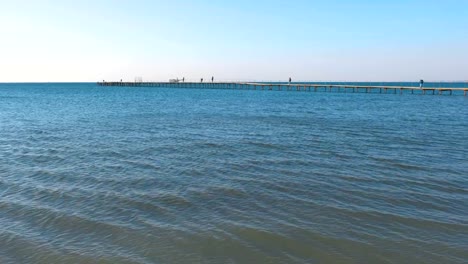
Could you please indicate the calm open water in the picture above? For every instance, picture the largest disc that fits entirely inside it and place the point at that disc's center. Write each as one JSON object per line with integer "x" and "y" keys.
{"x": 151, "y": 175}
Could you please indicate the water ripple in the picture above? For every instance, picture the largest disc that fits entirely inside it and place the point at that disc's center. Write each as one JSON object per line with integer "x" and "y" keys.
{"x": 217, "y": 176}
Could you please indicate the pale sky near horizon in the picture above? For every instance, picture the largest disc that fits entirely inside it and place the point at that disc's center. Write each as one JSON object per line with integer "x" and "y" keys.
{"x": 361, "y": 40}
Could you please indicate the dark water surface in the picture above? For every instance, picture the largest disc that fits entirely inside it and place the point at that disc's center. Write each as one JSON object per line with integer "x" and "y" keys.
{"x": 151, "y": 175}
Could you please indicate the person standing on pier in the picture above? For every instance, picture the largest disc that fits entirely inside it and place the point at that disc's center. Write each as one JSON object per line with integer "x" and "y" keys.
{"x": 212, "y": 78}
{"x": 289, "y": 80}
{"x": 421, "y": 83}
{"x": 183, "y": 79}
{"x": 201, "y": 80}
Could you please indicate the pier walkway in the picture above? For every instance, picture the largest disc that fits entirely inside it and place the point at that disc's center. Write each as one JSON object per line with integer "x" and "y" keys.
{"x": 293, "y": 87}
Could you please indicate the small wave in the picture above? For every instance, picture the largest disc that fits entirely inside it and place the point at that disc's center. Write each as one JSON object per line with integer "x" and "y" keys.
{"x": 173, "y": 200}
{"x": 218, "y": 191}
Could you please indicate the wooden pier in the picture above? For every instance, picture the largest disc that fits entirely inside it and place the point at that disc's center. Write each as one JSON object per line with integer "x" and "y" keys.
{"x": 294, "y": 87}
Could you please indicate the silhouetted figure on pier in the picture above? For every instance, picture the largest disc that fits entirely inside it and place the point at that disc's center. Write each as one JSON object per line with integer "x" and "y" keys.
{"x": 201, "y": 80}
{"x": 421, "y": 84}
{"x": 183, "y": 79}
{"x": 212, "y": 79}
{"x": 290, "y": 80}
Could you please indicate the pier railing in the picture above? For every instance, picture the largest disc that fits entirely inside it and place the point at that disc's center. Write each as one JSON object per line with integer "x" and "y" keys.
{"x": 295, "y": 87}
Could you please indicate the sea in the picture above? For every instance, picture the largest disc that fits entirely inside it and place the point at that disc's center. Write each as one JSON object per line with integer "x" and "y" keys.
{"x": 92, "y": 174}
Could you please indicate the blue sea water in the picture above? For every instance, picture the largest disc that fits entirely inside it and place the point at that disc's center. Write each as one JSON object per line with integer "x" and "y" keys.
{"x": 93, "y": 174}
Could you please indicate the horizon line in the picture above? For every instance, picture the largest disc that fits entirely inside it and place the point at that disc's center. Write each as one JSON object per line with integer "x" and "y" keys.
{"x": 245, "y": 80}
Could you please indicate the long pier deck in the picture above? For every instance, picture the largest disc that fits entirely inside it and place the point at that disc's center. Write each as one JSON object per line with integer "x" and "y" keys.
{"x": 293, "y": 87}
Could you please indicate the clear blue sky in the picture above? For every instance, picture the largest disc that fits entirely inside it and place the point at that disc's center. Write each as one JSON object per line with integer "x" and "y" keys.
{"x": 63, "y": 40}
